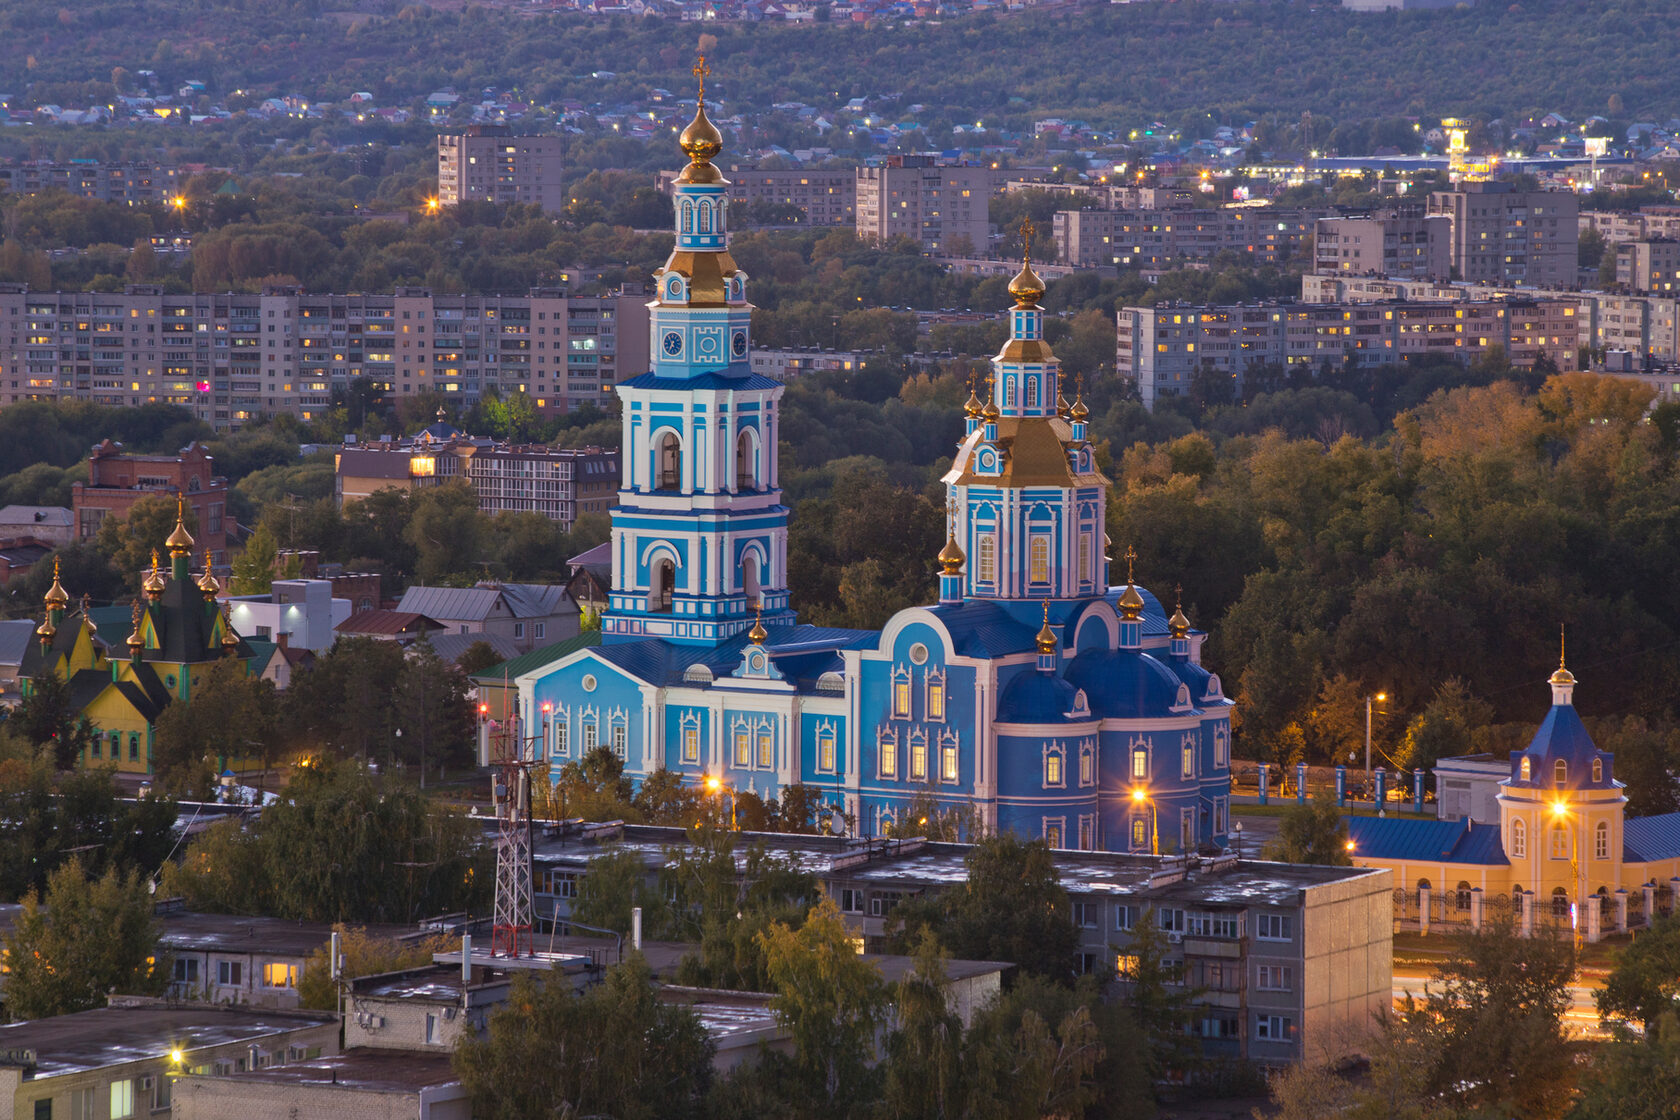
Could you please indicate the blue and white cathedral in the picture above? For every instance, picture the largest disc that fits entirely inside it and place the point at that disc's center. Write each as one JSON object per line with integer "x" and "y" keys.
{"x": 1051, "y": 703}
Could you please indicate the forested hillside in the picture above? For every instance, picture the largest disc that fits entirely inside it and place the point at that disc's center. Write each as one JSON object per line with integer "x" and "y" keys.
{"x": 1109, "y": 63}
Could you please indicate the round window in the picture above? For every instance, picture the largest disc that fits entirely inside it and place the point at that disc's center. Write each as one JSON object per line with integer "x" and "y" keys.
{"x": 589, "y": 682}
{"x": 918, "y": 654}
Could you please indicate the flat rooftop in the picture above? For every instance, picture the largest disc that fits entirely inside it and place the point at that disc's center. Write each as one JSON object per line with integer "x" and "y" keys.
{"x": 107, "y": 1036}
{"x": 382, "y": 1071}
{"x": 232, "y": 933}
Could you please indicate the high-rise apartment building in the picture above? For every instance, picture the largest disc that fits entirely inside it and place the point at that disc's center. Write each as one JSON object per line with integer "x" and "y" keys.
{"x": 231, "y": 357}
{"x": 1407, "y": 245}
{"x": 1651, "y": 265}
{"x": 942, "y": 207}
{"x": 1160, "y": 238}
{"x": 88, "y": 178}
{"x": 487, "y": 163}
{"x": 1501, "y": 235}
{"x": 826, "y": 197}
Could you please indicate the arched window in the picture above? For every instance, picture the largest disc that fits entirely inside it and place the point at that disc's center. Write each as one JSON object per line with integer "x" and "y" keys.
{"x": 1423, "y": 884}
{"x": 988, "y": 559}
{"x": 670, "y": 462}
{"x": 1560, "y": 841}
{"x": 133, "y": 746}
{"x": 749, "y": 579}
{"x": 1053, "y": 768}
{"x": 1461, "y": 895}
{"x": 1601, "y": 840}
{"x": 1140, "y": 765}
{"x": 1039, "y": 571}
{"x": 1032, "y": 392}
{"x": 1009, "y": 393}
{"x": 1560, "y": 902}
{"x": 1560, "y": 772}
{"x": 1519, "y": 837}
{"x": 664, "y": 582}
{"x": 705, "y": 217}
{"x": 1527, "y": 769}
{"x": 116, "y": 745}
{"x": 1598, "y": 770}
{"x": 687, "y": 216}
{"x": 746, "y": 466}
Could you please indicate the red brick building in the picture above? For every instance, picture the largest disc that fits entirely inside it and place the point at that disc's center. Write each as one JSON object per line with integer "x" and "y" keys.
{"x": 116, "y": 480}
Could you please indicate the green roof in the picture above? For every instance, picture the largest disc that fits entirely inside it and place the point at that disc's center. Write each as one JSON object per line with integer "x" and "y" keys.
{"x": 514, "y": 668}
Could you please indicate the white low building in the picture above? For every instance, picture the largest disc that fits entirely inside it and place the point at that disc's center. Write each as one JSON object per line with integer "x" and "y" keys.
{"x": 303, "y": 608}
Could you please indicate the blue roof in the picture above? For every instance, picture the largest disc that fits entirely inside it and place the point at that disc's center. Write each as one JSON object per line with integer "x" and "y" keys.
{"x": 1649, "y": 839}
{"x": 808, "y": 650}
{"x": 1408, "y": 838}
{"x": 720, "y": 379}
{"x": 1124, "y": 683}
{"x": 982, "y": 628}
{"x": 1039, "y": 697}
{"x": 1561, "y": 737}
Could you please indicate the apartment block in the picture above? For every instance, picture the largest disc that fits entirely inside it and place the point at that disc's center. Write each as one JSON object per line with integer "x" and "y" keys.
{"x": 1160, "y": 238}
{"x": 1280, "y": 957}
{"x": 132, "y": 183}
{"x": 1402, "y": 245}
{"x": 1163, "y": 348}
{"x": 231, "y": 357}
{"x": 1649, "y": 265}
{"x": 942, "y": 207}
{"x": 487, "y": 163}
{"x": 558, "y": 482}
{"x": 117, "y": 480}
{"x": 1622, "y": 225}
{"x": 1501, "y": 235}
{"x": 827, "y": 198}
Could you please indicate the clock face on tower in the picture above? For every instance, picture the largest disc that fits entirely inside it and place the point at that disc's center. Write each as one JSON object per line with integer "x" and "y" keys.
{"x": 672, "y": 343}
{"x": 739, "y": 345}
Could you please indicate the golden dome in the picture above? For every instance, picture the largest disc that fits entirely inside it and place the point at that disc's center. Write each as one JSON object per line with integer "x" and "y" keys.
{"x": 207, "y": 582}
{"x": 1027, "y": 288}
{"x": 87, "y": 618}
{"x": 230, "y": 640}
{"x": 1131, "y": 604}
{"x": 990, "y": 412}
{"x": 180, "y": 541}
{"x": 46, "y": 631}
{"x": 971, "y": 407}
{"x": 1079, "y": 412}
{"x": 1561, "y": 676}
{"x": 136, "y": 640}
{"x": 154, "y": 582}
{"x": 757, "y": 634}
{"x": 701, "y": 140}
{"x": 1062, "y": 408}
{"x": 57, "y": 597}
{"x": 1046, "y": 637}
{"x": 1178, "y": 624}
{"x": 951, "y": 557}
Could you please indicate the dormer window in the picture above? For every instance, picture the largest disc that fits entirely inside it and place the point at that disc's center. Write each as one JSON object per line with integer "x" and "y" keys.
{"x": 1560, "y": 772}
{"x": 1527, "y": 769}
{"x": 1598, "y": 770}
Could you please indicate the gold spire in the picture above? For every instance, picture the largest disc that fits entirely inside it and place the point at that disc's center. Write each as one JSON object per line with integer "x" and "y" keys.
{"x": 1046, "y": 638}
{"x": 701, "y": 140}
{"x": 154, "y": 582}
{"x": 951, "y": 557}
{"x": 1178, "y": 625}
{"x": 1027, "y": 288}
{"x": 207, "y": 582}
{"x": 1079, "y": 411}
{"x": 1562, "y": 675}
{"x": 1131, "y": 603}
{"x": 757, "y": 634}
{"x": 88, "y": 618}
{"x": 180, "y": 541}
{"x": 136, "y": 640}
{"x": 230, "y": 640}
{"x": 990, "y": 412}
{"x": 57, "y": 597}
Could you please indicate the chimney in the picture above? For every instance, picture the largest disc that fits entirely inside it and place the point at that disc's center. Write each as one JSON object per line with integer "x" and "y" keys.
{"x": 283, "y": 640}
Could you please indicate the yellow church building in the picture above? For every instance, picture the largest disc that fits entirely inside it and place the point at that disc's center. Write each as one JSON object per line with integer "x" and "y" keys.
{"x": 177, "y": 631}
{"x": 1562, "y": 852}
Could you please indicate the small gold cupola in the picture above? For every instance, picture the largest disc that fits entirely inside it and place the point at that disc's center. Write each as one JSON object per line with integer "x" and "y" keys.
{"x": 154, "y": 582}
{"x": 1131, "y": 603}
{"x": 92, "y": 627}
{"x": 951, "y": 557}
{"x": 136, "y": 639}
{"x": 700, "y": 141}
{"x": 230, "y": 640}
{"x": 757, "y": 634}
{"x": 1026, "y": 287}
{"x": 207, "y": 582}
{"x": 180, "y": 542}
{"x": 1046, "y": 637}
{"x": 57, "y": 598}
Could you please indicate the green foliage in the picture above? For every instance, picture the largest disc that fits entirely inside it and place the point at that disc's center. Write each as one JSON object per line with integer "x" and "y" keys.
{"x": 1311, "y": 832}
{"x": 1453, "y": 723}
{"x": 432, "y": 712}
{"x": 130, "y": 542}
{"x": 339, "y": 846}
{"x": 1645, "y": 984}
{"x": 1635, "y": 1078}
{"x": 84, "y": 938}
{"x": 613, "y": 1050}
{"x": 726, "y": 908}
{"x": 231, "y": 716}
{"x": 1011, "y": 907}
{"x": 49, "y": 720}
{"x": 363, "y": 955}
{"x": 48, "y": 816}
{"x": 346, "y": 703}
{"x": 1033, "y": 1053}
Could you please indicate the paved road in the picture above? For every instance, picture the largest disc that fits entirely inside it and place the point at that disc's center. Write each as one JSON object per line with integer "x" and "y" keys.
{"x": 1581, "y": 1016}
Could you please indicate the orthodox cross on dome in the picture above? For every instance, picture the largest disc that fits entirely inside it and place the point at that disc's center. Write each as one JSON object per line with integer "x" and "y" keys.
{"x": 1026, "y": 240}
{"x": 1131, "y": 555}
{"x": 1561, "y": 636}
{"x": 701, "y": 72}
{"x": 951, "y": 514}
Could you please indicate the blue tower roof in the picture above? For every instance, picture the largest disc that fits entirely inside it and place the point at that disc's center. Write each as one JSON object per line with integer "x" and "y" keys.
{"x": 1044, "y": 698}
{"x": 1562, "y": 738}
{"x": 1126, "y": 684}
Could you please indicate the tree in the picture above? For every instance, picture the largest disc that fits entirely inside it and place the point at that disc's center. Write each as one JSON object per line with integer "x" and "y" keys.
{"x": 1011, "y": 908}
{"x": 1453, "y": 723}
{"x": 49, "y": 718}
{"x": 1635, "y": 1079}
{"x": 614, "y": 1050}
{"x": 924, "y": 1053}
{"x": 345, "y": 703}
{"x": 231, "y": 715}
{"x": 478, "y": 657}
{"x": 666, "y": 799}
{"x": 616, "y": 882}
{"x": 1155, "y": 993}
{"x": 47, "y": 817}
{"x": 130, "y": 541}
{"x": 1033, "y": 1053}
{"x": 1313, "y": 832}
{"x": 86, "y": 938}
{"x": 1645, "y": 984}
{"x": 432, "y": 711}
{"x": 363, "y": 955}
{"x": 253, "y": 568}
{"x": 831, "y": 1001}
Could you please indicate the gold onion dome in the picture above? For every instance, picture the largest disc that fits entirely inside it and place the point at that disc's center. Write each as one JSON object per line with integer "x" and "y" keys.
{"x": 1178, "y": 624}
{"x": 1131, "y": 603}
{"x": 701, "y": 140}
{"x": 57, "y": 597}
{"x": 990, "y": 412}
{"x": 180, "y": 541}
{"x": 757, "y": 634}
{"x": 951, "y": 557}
{"x": 207, "y": 582}
{"x": 136, "y": 640}
{"x": 972, "y": 406}
{"x": 93, "y": 627}
{"x": 230, "y": 640}
{"x": 1046, "y": 637}
{"x": 46, "y": 631}
{"x": 1027, "y": 288}
{"x": 1079, "y": 411}
{"x": 154, "y": 583}
{"x": 1062, "y": 408}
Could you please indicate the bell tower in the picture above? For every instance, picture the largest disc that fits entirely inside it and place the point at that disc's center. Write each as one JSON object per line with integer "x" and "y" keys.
{"x": 700, "y": 532}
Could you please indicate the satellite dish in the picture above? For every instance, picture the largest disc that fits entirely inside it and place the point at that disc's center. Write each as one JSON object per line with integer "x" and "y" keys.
{"x": 837, "y": 824}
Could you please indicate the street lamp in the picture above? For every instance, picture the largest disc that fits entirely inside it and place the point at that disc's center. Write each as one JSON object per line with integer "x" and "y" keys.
{"x": 1141, "y": 796}
{"x": 1237, "y": 829}
{"x": 1560, "y": 812}
{"x": 715, "y": 786}
{"x": 1379, "y": 697}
